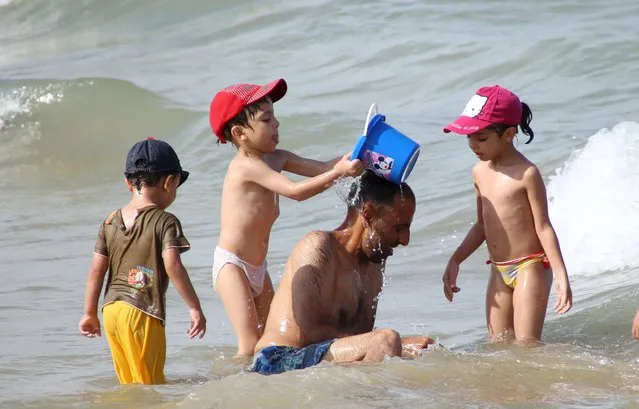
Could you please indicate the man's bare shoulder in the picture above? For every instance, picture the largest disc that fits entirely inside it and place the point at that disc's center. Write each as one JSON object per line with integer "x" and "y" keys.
{"x": 310, "y": 267}
{"x": 318, "y": 236}
{"x": 316, "y": 240}
{"x": 316, "y": 247}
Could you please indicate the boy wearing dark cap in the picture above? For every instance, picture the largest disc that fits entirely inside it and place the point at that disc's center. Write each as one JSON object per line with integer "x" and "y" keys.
{"x": 140, "y": 245}
{"x": 243, "y": 114}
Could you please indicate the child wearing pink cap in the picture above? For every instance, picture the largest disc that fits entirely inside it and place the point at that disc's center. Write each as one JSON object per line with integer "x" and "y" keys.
{"x": 243, "y": 114}
{"x": 512, "y": 217}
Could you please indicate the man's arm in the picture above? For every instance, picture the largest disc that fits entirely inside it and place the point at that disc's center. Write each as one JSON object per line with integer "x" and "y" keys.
{"x": 412, "y": 346}
{"x": 312, "y": 288}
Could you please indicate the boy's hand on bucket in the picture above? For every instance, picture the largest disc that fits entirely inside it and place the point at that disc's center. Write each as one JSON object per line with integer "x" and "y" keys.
{"x": 348, "y": 167}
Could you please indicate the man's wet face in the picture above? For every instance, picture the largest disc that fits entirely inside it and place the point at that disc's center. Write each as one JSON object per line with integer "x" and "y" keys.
{"x": 389, "y": 228}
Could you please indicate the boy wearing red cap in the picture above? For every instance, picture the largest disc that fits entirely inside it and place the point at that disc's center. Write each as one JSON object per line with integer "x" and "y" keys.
{"x": 243, "y": 114}
{"x": 140, "y": 245}
{"x": 512, "y": 217}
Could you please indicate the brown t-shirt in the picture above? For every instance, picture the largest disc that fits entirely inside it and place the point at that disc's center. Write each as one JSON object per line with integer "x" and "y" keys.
{"x": 137, "y": 274}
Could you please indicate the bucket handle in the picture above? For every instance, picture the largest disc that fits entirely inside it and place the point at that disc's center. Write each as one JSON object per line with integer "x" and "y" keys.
{"x": 369, "y": 116}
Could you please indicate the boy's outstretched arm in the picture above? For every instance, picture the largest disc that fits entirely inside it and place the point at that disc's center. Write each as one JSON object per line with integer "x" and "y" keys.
{"x": 260, "y": 173}
{"x": 89, "y": 325}
{"x": 305, "y": 166}
{"x": 536, "y": 191}
{"x": 180, "y": 279}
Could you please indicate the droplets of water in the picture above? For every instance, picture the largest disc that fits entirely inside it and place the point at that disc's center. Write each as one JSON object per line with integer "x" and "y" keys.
{"x": 23, "y": 100}
{"x": 386, "y": 279}
{"x": 347, "y": 189}
{"x": 283, "y": 326}
{"x": 17, "y": 107}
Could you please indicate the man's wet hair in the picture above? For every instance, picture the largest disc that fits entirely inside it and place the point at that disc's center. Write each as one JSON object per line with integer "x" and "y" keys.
{"x": 370, "y": 188}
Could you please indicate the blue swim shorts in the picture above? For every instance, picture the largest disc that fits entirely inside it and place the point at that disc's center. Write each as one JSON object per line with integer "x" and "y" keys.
{"x": 277, "y": 359}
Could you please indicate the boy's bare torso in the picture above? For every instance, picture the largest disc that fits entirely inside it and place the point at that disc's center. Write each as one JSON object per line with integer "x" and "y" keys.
{"x": 248, "y": 210}
{"x": 350, "y": 291}
{"x": 508, "y": 222}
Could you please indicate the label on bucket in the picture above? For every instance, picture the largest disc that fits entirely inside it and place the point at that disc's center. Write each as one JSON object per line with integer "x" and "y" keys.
{"x": 382, "y": 165}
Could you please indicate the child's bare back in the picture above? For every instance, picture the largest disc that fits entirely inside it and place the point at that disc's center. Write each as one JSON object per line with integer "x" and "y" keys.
{"x": 505, "y": 207}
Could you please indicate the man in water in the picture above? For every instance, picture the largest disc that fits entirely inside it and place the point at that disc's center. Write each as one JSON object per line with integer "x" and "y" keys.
{"x": 325, "y": 305}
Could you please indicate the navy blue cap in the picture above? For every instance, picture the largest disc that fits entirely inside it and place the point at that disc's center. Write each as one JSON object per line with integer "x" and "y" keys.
{"x": 153, "y": 156}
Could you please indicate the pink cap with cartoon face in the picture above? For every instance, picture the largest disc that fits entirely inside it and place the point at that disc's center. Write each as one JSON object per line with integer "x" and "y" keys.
{"x": 489, "y": 106}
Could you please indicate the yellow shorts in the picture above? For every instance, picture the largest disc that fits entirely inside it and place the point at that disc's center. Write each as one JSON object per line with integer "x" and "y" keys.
{"x": 138, "y": 343}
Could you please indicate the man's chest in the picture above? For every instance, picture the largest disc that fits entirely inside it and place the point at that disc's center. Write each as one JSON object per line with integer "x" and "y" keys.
{"x": 356, "y": 300}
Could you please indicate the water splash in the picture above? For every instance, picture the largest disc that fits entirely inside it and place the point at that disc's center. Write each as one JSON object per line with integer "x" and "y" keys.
{"x": 17, "y": 107}
{"x": 283, "y": 326}
{"x": 594, "y": 203}
{"x": 22, "y": 100}
{"x": 343, "y": 187}
{"x": 401, "y": 192}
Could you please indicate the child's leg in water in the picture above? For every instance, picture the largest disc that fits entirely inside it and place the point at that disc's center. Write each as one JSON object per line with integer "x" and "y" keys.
{"x": 530, "y": 301}
{"x": 263, "y": 302}
{"x": 499, "y": 308}
{"x": 234, "y": 290}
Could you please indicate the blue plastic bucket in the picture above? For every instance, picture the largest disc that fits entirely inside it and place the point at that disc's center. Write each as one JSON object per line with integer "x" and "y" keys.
{"x": 384, "y": 150}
